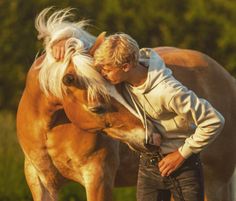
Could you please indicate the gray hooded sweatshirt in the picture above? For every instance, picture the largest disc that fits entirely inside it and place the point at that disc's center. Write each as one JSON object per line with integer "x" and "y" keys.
{"x": 186, "y": 122}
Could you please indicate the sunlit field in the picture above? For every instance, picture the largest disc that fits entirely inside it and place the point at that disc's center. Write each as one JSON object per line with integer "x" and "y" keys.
{"x": 205, "y": 26}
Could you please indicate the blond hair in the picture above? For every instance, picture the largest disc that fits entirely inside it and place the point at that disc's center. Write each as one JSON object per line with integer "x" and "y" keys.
{"x": 117, "y": 50}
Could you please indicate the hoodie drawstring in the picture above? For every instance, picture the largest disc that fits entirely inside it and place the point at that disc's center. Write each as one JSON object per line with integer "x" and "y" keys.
{"x": 143, "y": 117}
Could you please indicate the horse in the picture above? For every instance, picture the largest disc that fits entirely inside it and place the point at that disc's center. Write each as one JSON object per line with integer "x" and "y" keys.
{"x": 87, "y": 155}
{"x": 58, "y": 148}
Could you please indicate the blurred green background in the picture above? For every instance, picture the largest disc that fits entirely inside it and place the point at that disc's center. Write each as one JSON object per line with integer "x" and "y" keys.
{"x": 208, "y": 26}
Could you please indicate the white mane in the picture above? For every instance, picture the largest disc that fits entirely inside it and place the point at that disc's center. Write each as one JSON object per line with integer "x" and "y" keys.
{"x": 54, "y": 28}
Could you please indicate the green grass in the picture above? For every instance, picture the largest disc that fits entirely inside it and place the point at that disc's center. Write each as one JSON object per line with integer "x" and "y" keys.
{"x": 12, "y": 183}
{"x": 124, "y": 194}
{"x": 13, "y": 186}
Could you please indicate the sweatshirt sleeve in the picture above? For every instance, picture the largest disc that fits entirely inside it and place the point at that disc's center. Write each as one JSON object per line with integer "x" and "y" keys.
{"x": 209, "y": 122}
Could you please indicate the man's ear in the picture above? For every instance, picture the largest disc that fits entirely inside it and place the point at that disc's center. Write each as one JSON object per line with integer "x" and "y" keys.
{"x": 100, "y": 39}
{"x": 126, "y": 67}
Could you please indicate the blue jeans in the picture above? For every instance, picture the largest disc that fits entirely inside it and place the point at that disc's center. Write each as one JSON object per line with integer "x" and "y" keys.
{"x": 187, "y": 180}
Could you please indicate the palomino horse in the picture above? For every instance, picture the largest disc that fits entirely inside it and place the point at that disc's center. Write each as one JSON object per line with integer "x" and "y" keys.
{"x": 58, "y": 147}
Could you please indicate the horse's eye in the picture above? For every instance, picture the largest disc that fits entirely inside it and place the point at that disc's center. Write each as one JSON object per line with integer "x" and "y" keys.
{"x": 69, "y": 79}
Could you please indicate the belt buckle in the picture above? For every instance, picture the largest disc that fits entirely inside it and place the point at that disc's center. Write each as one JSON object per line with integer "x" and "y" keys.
{"x": 153, "y": 161}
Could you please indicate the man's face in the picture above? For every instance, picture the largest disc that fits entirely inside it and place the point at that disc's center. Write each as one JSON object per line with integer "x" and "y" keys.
{"x": 114, "y": 74}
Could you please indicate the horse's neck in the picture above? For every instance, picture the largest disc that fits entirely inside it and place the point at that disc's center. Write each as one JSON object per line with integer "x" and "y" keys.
{"x": 38, "y": 103}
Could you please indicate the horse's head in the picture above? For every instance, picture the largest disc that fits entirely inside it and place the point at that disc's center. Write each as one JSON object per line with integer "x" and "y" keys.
{"x": 95, "y": 105}
{"x": 88, "y": 100}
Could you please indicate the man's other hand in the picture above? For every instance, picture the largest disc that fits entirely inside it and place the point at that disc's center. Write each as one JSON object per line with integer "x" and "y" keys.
{"x": 170, "y": 163}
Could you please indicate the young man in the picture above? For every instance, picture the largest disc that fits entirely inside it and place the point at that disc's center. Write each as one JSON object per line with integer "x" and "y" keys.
{"x": 165, "y": 101}
{"x": 187, "y": 123}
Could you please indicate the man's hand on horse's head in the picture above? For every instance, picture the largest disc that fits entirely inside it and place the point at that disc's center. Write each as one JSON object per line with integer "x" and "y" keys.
{"x": 58, "y": 49}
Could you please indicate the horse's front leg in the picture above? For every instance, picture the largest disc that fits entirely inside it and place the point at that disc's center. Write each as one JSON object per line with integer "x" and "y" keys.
{"x": 99, "y": 184}
{"x": 99, "y": 174}
{"x": 39, "y": 191}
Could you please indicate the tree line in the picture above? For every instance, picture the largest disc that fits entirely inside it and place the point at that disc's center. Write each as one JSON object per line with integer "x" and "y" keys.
{"x": 207, "y": 26}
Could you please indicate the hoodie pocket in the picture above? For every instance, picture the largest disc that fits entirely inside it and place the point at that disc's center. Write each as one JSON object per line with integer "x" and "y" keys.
{"x": 181, "y": 123}
{"x": 176, "y": 124}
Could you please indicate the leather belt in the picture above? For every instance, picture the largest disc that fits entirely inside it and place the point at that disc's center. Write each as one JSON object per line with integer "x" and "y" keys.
{"x": 149, "y": 159}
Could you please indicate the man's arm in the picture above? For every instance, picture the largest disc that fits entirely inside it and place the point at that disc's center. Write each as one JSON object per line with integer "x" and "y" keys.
{"x": 209, "y": 124}
{"x": 208, "y": 120}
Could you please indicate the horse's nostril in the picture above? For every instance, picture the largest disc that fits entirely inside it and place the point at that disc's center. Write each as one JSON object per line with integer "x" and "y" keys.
{"x": 108, "y": 125}
{"x": 98, "y": 109}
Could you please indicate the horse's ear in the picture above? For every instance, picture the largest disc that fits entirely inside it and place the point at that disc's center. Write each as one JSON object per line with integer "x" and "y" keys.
{"x": 97, "y": 43}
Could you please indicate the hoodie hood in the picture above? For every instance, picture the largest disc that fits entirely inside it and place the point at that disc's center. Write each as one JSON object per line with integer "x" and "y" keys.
{"x": 157, "y": 71}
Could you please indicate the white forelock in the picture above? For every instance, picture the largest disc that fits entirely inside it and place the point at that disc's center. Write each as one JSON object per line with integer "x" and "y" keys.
{"x": 57, "y": 27}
